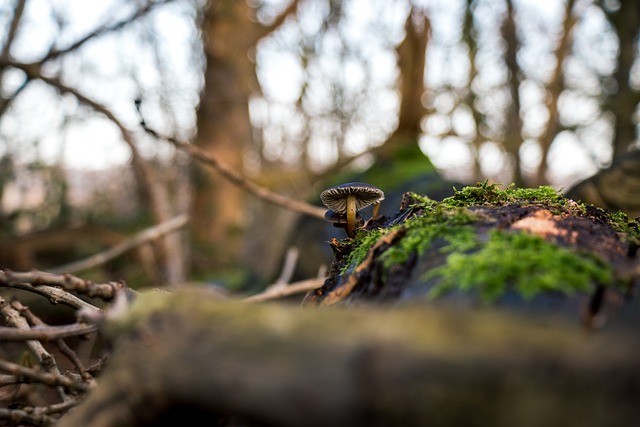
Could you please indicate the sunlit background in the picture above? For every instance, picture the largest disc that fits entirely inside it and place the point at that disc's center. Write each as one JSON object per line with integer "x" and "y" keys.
{"x": 327, "y": 90}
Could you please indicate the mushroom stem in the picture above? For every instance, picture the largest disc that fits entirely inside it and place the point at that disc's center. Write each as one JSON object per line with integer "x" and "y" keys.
{"x": 351, "y": 215}
{"x": 376, "y": 208}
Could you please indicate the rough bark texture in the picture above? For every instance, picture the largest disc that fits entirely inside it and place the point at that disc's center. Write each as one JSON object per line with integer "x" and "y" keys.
{"x": 185, "y": 355}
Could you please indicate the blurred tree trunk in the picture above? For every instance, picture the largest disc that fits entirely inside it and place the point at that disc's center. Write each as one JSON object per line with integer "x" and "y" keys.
{"x": 470, "y": 36}
{"x": 554, "y": 89}
{"x": 230, "y": 33}
{"x": 624, "y": 100}
{"x": 513, "y": 130}
{"x": 411, "y": 61}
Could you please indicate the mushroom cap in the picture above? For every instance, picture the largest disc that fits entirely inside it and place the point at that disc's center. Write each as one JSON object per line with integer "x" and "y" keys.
{"x": 335, "y": 198}
{"x": 340, "y": 218}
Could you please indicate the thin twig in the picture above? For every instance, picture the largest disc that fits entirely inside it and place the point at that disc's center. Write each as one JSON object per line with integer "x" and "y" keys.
{"x": 14, "y": 318}
{"x": 36, "y": 322}
{"x": 45, "y": 333}
{"x": 68, "y": 282}
{"x": 18, "y": 11}
{"x": 55, "y": 295}
{"x": 138, "y": 239}
{"x": 104, "y": 29}
{"x": 289, "y": 266}
{"x": 284, "y": 291}
{"x": 47, "y": 378}
{"x": 22, "y": 417}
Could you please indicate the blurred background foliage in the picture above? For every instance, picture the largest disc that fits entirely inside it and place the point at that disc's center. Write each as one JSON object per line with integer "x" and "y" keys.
{"x": 296, "y": 95}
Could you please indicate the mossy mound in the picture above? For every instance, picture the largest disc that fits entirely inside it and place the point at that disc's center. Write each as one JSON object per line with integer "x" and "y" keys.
{"x": 484, "y": 245}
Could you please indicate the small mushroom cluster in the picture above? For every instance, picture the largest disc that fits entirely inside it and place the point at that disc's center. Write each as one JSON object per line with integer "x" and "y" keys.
{"x": 344, "y": 202}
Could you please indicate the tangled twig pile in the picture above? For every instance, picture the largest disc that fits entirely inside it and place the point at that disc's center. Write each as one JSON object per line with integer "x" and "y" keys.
{"x": 49, "y": 362}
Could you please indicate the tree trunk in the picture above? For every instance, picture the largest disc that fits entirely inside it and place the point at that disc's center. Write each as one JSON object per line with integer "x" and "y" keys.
{"x": 624, "y": 100}
{"x": 224, "y": 128}
{"x": 412, "y": 53}
{"x": 513, "y": 131}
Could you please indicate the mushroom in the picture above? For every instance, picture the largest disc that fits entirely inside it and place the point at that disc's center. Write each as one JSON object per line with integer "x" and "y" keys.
{"x": 340, "y": 220}
{"x": 347, "y": 199}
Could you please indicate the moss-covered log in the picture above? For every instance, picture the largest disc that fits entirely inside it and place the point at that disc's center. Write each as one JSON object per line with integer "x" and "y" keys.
{"x": 528, "y": 249}
{"x": 180, "y": 356}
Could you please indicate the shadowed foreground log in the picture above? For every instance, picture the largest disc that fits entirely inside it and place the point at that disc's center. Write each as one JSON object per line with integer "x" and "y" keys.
{"x": 184, "y": 355}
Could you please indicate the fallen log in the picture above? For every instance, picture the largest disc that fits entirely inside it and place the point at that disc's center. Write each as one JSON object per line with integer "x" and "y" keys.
{"x": 185, "y": 355}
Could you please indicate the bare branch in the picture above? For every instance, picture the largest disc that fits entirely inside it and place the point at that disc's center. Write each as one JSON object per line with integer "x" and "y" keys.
{"x": 289, "y": 266}
{"x": 42, "y": 377}
{"x": 67, "y": 282}
{"x": 6, "y": 102}
{"x": 23, "y": 417}
{"x": 138, "y": 239}
{"x": 144, "y": 10}
{"x": 13, "y": 27}
{"x": 145, "y": 175}
{"x": 56, "y": 296}
{"x": 46, "y": 360}
{"x": 279, "y": 20}
{"x": 275, "y": 292}
{"x": 237, "y": 179}
{"x": 36, "y": 322}
{"x": 45, "y": 333}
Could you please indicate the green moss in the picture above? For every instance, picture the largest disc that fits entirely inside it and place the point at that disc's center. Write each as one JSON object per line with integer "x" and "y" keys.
{"x": 490, "y": 194}
{"x": 436, "y": 223}
{"x": 628, "y": 228}
{"x": 527, "y": 262}
{"x": 361, "y": 244}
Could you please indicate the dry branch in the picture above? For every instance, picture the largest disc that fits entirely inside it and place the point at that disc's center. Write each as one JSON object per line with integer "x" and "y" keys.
{"x": 34, "y": 279}
{"x": 45, "y": 333}
{"x": 138, "y": 239}
{"x": 104, "y": 29}
{"x": 283, "y": 290}
{"x": 237, "y": 179}
{"x": 43, "y": 377}
{"x": 157, "y": 195}
{"x": 29, "y": 383}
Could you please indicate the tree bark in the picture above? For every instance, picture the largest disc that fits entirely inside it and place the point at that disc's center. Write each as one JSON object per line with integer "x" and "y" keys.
{"x": 224, "y": 129}
{"x": 411, "y": 52}
{"x": 513, "y": 126}
{"x": 230, "y": 32}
